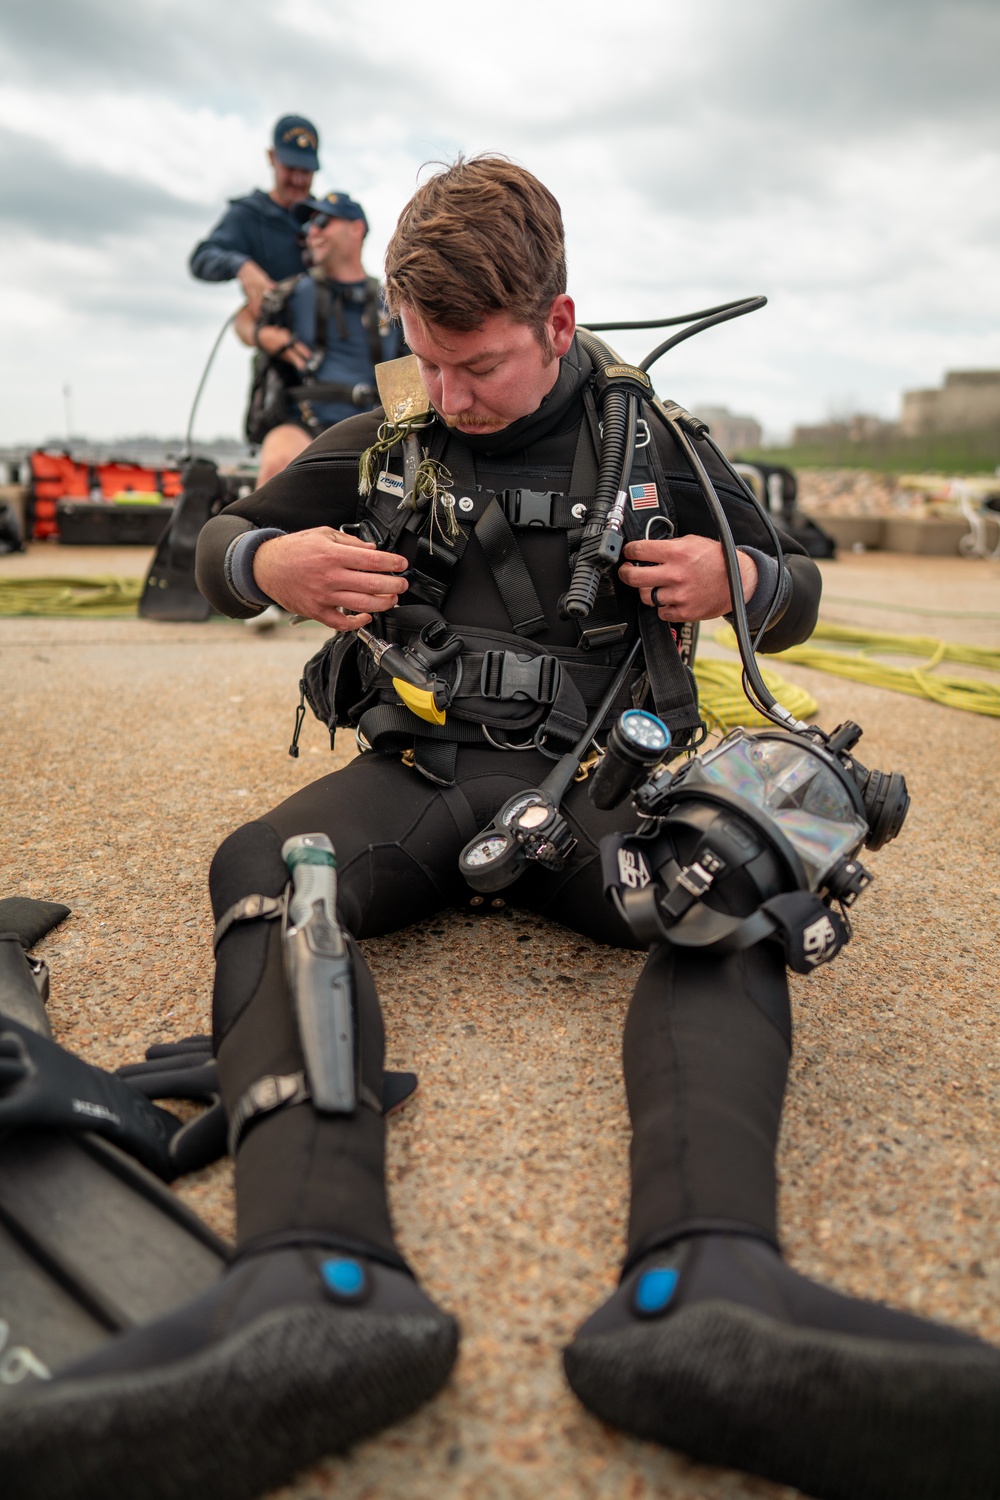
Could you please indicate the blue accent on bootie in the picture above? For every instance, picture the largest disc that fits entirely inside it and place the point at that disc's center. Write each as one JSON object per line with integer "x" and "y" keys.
{"x": 654, "y": 1291}
{"x": 346, "y": 1279}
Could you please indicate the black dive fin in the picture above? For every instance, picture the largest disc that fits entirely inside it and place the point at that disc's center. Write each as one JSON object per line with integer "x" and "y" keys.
{"x": 91, "y": 1244}
{"x": 30, "y": 920}
{"x": 24, "y": 986}
{"x": 170, "y": 592}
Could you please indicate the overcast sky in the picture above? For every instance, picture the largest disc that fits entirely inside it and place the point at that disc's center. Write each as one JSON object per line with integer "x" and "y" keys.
{"x": 840, "y": 156}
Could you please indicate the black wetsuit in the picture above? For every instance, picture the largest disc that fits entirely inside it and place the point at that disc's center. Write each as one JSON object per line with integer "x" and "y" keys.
{"x": 318, "y": 1334}
{"x": 707, "y": 1039}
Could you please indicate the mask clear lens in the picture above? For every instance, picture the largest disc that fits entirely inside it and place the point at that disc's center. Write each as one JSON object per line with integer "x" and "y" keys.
{"x": 795, "y": 788}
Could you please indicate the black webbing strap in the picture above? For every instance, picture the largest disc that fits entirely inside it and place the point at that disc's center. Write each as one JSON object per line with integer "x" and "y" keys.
{"x": 390, "y": 726}
{"x": 321, "y": 329}
{"x": 253, "y": 908}
{"x": 459, "y": 806}
{"x": 370, "y": 319}
{"x": 436, "y": 760}
{"x": 510, "y": 572}
{"x": 583, "y": 480}
{"x": 359, "y": 395}
{"x": 674, "y": 694}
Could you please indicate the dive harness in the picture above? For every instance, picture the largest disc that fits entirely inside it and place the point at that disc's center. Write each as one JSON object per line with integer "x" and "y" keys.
{"x": 500, "y": 688}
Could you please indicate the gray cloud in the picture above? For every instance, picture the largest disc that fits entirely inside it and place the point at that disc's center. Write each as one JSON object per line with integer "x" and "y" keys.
{"x": 182, "y": 48}
{"x": 45, "y": 194}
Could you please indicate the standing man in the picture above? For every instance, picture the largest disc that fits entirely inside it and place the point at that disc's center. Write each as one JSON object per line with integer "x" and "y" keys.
{"x": 330, "y": 328}
{"x": 319, "y": 1333}
{"x": 258, "y": 241}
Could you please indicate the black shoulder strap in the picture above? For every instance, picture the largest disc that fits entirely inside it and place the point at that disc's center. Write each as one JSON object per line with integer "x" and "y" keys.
{"x": 321, "y": 330}
{"x": 371, "y": 317}
{"x": 583, "y": 481}
{"x": 510, "y": 572}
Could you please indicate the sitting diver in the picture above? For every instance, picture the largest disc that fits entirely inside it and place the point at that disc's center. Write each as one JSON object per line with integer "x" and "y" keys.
{"x": 329, "y": 329}
{"x": 319, "y": 1332}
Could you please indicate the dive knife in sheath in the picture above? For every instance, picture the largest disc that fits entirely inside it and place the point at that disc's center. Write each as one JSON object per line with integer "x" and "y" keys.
{"x": 320, "y": 974}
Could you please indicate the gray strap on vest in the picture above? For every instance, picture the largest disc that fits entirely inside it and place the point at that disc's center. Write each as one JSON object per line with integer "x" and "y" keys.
{"x": 248, "y": 909}
{"x": 277, "y": 1091}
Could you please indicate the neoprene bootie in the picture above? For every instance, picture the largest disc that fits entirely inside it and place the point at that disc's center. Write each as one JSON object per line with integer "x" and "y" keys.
{"x": 296, "y": 1354}
{"x": 714, "y": 1346}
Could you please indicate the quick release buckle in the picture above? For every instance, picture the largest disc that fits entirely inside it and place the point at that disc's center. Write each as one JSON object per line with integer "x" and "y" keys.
{"x": 507, "y": 675}
{"x": 529, "y": 507}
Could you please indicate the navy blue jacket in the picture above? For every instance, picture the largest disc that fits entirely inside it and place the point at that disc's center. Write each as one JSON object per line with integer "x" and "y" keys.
{"x": 253, "y": 228}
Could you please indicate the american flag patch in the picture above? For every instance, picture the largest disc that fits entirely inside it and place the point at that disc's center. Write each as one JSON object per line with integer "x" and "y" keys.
{"x": 643, "y": 496}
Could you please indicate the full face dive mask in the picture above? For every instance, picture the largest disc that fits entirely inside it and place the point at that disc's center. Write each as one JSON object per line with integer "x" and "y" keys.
{"x": 756, "y": 838}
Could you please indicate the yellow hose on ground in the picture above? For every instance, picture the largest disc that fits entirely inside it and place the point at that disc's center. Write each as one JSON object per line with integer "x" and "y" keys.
{"x": 99, "y": 595}
{"x": 724, "y": 704}
{"x": 968, "y": 693}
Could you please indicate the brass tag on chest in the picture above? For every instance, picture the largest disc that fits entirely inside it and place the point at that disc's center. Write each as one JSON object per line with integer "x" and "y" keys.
{"x": 401, "y": 389}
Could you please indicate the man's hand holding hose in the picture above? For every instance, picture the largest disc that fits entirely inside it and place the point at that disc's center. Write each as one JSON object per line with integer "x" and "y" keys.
{"x": 320, "y": 573}
{"x": 684, "y": 578}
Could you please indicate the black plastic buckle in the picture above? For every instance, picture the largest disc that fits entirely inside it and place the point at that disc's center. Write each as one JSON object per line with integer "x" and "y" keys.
{"x": 529, "y": 507}
{"x": 506, "y": 675}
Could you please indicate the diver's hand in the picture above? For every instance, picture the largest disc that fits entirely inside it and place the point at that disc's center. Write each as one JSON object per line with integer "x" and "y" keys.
{"x": 255, "y": 282}
{"x": 280, "y": 343}
{"x": 320, "y": 573}
{"x": 688, "y": 575}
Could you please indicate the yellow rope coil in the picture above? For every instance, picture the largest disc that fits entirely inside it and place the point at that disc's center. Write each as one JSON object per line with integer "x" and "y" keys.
{"x": 724, "y": 704}
{"x": 98, "y": 595}
{"x": 924, "y": 681}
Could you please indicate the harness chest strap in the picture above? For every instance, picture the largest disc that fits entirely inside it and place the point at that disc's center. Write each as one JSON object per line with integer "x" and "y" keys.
{"x": 495, "y": 516}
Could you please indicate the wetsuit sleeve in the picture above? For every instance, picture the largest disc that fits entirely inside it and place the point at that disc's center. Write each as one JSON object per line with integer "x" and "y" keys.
{"x": 801, "y": 582}
{"x": 219, "y": 257}
{"x": 319, "y": 489}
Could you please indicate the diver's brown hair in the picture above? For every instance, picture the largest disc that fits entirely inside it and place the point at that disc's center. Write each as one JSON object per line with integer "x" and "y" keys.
{"x": 481, "y": 236}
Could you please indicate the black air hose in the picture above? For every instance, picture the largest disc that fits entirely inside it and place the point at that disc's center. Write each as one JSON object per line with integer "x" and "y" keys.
{"x": 619, "y": 413}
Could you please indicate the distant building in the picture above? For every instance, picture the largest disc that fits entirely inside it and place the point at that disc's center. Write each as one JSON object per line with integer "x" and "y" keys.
{"x": 733, "y": 434}
{"x": 859, "y": 428}
{"x": 969, "y": 399}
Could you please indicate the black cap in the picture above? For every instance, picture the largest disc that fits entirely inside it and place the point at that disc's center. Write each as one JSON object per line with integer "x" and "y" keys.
{"x": 296, "y": 143}
{"x": 335, "y": 206}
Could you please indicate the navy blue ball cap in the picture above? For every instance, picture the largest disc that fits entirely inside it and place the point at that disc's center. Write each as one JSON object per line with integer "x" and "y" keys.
{"x": 296, "y": 143}
{"x": 336, "y": 206}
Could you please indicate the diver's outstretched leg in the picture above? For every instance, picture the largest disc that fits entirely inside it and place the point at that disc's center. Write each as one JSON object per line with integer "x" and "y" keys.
{"x": 712, "y": 1344}
{"x": 317, "y": 1336}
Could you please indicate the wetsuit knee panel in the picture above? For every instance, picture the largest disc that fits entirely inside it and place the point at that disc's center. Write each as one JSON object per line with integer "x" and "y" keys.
{"x": 246, "y": 863}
